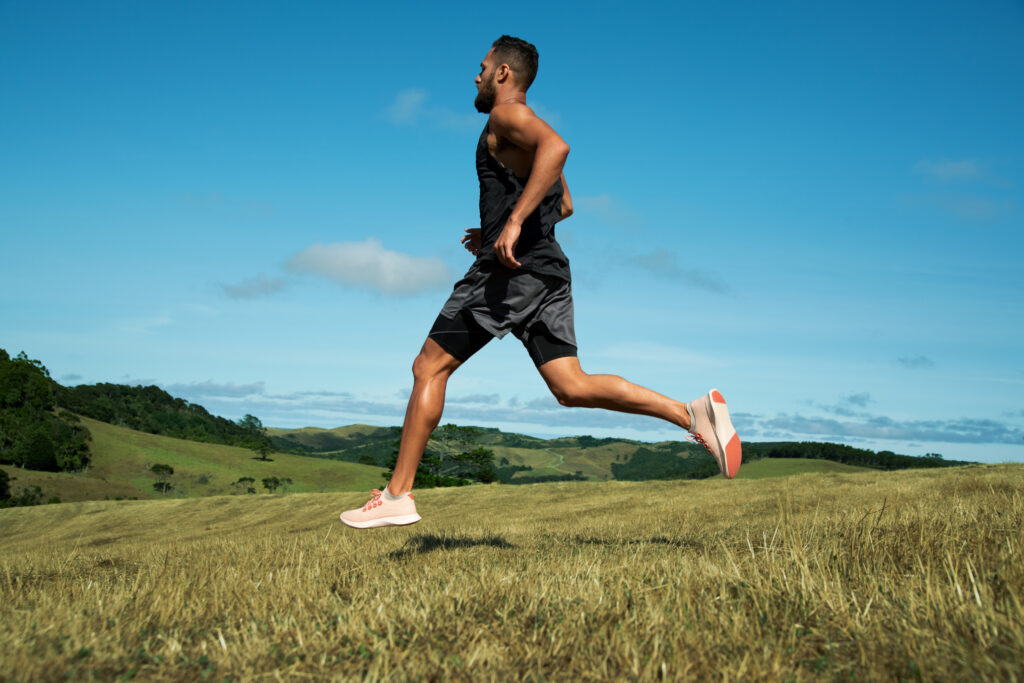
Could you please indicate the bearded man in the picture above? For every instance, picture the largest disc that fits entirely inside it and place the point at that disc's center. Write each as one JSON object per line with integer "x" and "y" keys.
{"x": 520, "y": 283}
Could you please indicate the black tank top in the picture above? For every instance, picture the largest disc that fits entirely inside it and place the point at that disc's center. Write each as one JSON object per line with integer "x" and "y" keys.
{"x": 500, "y": 188}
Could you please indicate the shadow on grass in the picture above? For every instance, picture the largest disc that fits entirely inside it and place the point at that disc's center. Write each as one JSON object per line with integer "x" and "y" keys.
{"x": 654, "y": 540}
{"x": 426, "y": 543}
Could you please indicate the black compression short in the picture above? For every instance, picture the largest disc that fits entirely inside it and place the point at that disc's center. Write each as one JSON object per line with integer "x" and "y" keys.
{"x": 462, "y": 336}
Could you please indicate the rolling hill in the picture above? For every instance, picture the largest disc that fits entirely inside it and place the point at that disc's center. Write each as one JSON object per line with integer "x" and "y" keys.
{"x": 121, "y": 461}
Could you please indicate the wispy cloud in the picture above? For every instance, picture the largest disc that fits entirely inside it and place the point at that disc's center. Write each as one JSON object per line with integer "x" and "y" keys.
{"x": 338, "y": 408}
{"x": 665, "y": 264}
{"x": 885, "y": 428}
{"x": 368, "y": 265}
{"x": 607, "y": 209}
{"x": 967, "y": 207}
{"x": 916, "y": 362}
{"x": 407, "y": 107}
{"x": 486, "y": 399}
{"x": 331, "y": 408}
{"x": 861, "y": 399}
{"x": 550, "y": 116}
{"x": 144, "y": 325}
{"x": 255, "y": 287}
{"x": 412, "y": 107}
{"x": 71, "y": 377}
{"x": 949, "y": 170}
{"x": 850, "y": 405}
{"x": 210, "y": 389}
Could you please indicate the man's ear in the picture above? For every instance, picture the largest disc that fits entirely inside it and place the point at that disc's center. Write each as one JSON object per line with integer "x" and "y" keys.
{"x": 503, "y": 73}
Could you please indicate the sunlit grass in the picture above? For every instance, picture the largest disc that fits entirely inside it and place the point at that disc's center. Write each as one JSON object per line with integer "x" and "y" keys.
{"x": 870, "y": 576}
{"x": 122, "y": 457}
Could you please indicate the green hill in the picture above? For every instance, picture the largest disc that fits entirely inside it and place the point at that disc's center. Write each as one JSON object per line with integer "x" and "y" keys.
{"x": 122, "y": 459}
{"x": 525, "y": 458}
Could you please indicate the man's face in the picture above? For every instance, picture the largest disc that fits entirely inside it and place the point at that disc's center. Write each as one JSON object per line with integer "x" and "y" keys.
{"x": 487, "y": 91}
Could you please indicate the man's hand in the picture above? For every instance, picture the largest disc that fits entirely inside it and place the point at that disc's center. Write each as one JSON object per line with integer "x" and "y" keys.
{"x": 505, "y": 247}
{"x": 471, "y": 240}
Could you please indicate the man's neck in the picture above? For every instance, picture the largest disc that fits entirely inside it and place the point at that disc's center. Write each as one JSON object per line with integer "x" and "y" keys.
{"x": 511, "y": 97}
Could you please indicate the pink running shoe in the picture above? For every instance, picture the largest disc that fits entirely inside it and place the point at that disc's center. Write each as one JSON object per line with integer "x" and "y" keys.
{"x": 379, "y": 511}
{"x": 713, "y": 430}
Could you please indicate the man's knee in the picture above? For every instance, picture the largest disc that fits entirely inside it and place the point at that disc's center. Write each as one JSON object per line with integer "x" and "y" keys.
{"x": 432, "y": 361}
{"x": 571, "y": 394}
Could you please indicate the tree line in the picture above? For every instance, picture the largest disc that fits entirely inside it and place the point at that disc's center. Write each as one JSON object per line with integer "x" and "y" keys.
{"x": 35, "y": 432}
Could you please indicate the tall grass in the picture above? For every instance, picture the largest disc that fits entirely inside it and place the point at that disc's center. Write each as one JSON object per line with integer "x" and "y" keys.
{"x": 878, "y": 575}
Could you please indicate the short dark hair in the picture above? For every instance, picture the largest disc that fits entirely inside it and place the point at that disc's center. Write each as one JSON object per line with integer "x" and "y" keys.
{"x": 520, "y": 56}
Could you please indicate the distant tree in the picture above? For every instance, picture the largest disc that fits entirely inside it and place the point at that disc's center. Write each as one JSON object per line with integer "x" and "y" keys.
{"x": 251, "y": 423}
{"x": 5, "y": 486}
{"x": 271, "y": 484}
{"x": 245, "y": 485}
{"x": 933, "y": 456}
{"x": 263, "y": 450}
{"x": 260, "y": 443}
{"x": 456, "y": 437}
{"x": 163, "y": 473}
{"x": 443, "y": 469}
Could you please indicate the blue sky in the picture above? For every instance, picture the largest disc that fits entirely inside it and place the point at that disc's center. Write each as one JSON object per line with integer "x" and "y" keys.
{"x": 814, "y": 207}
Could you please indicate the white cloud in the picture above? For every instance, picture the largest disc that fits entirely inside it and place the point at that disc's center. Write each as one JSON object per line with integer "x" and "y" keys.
{"x": 254, "y": 287}
{"x": 861, "y": 399}
{"x": 607, "y": 209}
{"x": 551, "y": 117}
{"x": 664, "y": 263}
{"x": 368, "y": 265}
{"x": 211, "y": 389}
{"x": 410, "y": 107}
{"x": 965, "y": 206}
{"x": 949, "y": 170}
{"x": 407, "y": 107}
{"x": 144, "y": 325}
{"x": 917, "y": 361}
{"x": 879, "y": 427}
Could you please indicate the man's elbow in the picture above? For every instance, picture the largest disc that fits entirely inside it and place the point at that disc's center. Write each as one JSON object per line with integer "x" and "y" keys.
{"x": 563, "y": 150}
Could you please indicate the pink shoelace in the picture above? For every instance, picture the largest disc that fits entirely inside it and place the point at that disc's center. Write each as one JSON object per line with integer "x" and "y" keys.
{"x": 700, "y": 439}
{"x": 373, "y": 502}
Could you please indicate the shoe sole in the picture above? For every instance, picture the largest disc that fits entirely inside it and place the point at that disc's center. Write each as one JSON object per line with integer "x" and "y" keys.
{"x": 400, "y": 520}
{"x": 725, "y": 434}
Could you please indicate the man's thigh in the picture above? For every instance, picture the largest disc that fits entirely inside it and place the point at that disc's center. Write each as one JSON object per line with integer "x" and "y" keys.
{"x": 460, "y": 336}
{"x": 544, "y": 347}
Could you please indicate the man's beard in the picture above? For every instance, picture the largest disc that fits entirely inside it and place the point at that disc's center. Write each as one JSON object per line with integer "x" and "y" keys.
{"x": 485, "y": 98}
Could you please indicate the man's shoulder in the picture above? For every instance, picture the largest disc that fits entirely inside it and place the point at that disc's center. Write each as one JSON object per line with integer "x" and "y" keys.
{"x": 510, "y": 114}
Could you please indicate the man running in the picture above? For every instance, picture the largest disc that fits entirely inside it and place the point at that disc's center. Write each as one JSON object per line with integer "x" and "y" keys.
{"x": 520, "y": 283}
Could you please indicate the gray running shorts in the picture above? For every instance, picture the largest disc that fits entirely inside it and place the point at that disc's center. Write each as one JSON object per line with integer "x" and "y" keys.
{"x": 535, "y": 308}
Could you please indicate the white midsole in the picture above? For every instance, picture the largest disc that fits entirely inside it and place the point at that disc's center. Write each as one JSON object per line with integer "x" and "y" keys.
{"x": 721, "y": 423}
{"x": 398, "y": 520}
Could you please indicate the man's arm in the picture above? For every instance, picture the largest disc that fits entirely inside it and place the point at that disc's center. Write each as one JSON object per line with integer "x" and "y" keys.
{"x": 518, "y": 125}
{"x": 566, "y": 200}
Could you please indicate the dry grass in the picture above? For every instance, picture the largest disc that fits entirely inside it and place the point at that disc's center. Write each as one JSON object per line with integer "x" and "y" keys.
{"x": 866, "y": 576}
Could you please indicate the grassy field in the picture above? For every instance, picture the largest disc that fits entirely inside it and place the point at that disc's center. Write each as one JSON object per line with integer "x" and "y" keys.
{"x": 784, "y": 467}
{"x": 122, "y": 457}
{"x": 876, "y": 575}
